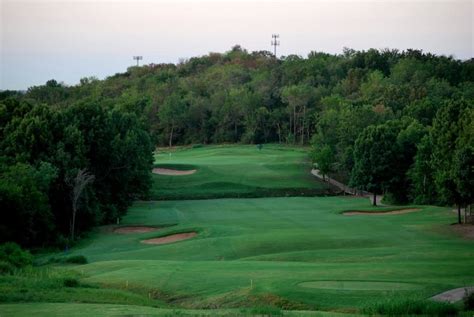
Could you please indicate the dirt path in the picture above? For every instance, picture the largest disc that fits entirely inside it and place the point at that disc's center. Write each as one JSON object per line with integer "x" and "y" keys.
{"x": 348, "y": 190}
{"x": 168, "y": 171}
{"x": 453, "y": 295}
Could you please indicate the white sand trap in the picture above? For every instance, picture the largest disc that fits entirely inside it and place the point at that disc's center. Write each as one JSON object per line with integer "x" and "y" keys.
{"x": 168, "y": 171}
{"x": 171, "y": 238}
{"x": 135, "y": 229}
{"x": 373, "y": 213}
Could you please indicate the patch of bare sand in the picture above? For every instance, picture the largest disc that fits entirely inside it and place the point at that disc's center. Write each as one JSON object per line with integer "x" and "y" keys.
{"x": 135, "y": 229}
{"x": 464, "y": 230}
{"x": 373, "y": 213}
{"x": 168, "y": 171}
{"x": 171, "y": 238}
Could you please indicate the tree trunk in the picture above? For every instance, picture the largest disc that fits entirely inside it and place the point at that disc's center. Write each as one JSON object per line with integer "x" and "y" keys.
{"x": 171, "y": 136}
{"x": 375, "y": 199}
{"x": 79, "y": 183}
{"x": 459, "y": 213}
{"x": 303, "y": 125}
{"x": 279, "y": 133}
{"x": 291, "y": 125}
{"x": 294, "y": 124}
{"x": 73, "y": 223}
{"x": 424, "y": 184}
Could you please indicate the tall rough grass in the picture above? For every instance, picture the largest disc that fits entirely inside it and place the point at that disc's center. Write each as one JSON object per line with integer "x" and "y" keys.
{"x": 410, "y": 307}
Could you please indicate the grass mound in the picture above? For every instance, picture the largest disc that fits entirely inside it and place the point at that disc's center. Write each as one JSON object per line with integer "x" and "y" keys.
{"x": 76, "y": 259}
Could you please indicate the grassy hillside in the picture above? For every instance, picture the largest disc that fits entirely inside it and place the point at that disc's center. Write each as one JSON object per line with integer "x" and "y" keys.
{"x": 236, "y": 171}
{"x": 296, "y": 253}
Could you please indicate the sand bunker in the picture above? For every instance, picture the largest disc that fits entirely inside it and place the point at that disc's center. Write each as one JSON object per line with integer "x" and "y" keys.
{"x": 168, "y": 171}
{"x": 388, "y": 212}
{"x": 135, "y": 229}
{"x": 171, "y": 238}
{"x": 360, "y": 285}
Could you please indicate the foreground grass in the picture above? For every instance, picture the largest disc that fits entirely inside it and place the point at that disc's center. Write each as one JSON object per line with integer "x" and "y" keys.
{"x": 105, "y": 310}
{"x": 292, "y": 253}
{"x": 59, "y": 284}
{"x": 237, "y": 171}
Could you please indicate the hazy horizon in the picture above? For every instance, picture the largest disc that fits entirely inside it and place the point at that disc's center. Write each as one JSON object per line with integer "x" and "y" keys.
{"x": 69, "y": 40}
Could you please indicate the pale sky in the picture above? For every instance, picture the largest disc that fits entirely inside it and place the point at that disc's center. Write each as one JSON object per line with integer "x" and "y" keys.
{"x": 67, "y": 40}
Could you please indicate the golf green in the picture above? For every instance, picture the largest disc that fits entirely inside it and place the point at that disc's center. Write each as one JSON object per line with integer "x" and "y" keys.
{"x": 236, "y": 171}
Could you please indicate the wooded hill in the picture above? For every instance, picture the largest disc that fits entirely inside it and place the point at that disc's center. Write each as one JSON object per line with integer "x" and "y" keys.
{"x": 399, "y": 123}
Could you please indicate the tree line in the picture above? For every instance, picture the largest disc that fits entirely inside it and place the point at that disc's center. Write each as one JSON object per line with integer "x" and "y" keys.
{"x": 388, "y": 121}
{"x": 48, "y": 155}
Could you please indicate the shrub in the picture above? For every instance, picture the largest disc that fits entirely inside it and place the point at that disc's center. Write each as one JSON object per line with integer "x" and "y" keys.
{"x": 14, "y": 255}
{"x": 76, "y": 259}
{"x": 403, "y": 307}
{"x": 6, "y": 268}
{"x": 70, "y": 282}
{"x": 469, "y": 301}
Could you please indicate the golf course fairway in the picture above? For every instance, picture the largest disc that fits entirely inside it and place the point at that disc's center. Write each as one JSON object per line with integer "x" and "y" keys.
{"x": 299, "y": 256}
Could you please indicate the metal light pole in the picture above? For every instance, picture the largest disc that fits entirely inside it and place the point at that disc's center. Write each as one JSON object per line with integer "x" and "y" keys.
{"x": 138, "y": 58}
{"x": 275, "y": 43}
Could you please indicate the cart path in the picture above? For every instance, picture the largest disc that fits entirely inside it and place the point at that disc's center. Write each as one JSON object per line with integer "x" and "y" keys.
{"x": 453, "y": 295}
{"x": 347, "y": 189}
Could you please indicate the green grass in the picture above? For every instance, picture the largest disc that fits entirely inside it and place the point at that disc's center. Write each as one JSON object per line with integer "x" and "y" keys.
{"x": 253, "y": 252}
{"x": 280, "y": 255}
{"x": 106, "y": 310}
{"x": 236, "y": 171}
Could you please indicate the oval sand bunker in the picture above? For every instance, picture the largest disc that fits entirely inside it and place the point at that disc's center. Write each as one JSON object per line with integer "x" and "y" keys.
{"x": 360, "y": 285}
{"x": 168, "y": 171}
{"x": 171, "y": 238}
{"x": 388, "y": 212}
{"x": 135, "y": 229}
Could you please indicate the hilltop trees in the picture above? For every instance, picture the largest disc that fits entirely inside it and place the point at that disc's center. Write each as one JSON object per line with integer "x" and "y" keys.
{"x": 171, "y": 115}
{"x": 25, "y": 211}
{"x": 453, "y": 139}
{"x": 374, "y": 163}
{"x": 297, "y": 97}
{"x": 324, "y": 158}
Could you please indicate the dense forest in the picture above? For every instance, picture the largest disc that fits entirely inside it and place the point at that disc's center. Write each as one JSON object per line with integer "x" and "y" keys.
{"x": 398, "y": 123}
